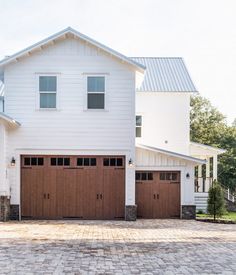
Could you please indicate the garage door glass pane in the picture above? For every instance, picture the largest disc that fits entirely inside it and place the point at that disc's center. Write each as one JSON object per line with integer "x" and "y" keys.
{"x": 33, "y": 161}
{"x": 119, "y": 162}
{"x": 66, "y": 161}
{"x": 60, "y": 161}
{"x": 93, "y": 162}
{"x": 53, "y": 161}
{"x": 80, "y": 162}
{"x": 150, "y": 176}
{"x": 144, "y": 176}
{"x": 40, "y": 161}
{"x": 27, "y": 161}
{"x": 86, "y": 162}
{"x": 47, "y": 100}
{"x": 106, "y": 162}
{"x": 95, "y": 101}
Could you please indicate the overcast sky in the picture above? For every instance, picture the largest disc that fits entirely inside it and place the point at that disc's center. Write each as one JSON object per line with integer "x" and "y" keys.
{"x": 201, "y": 31}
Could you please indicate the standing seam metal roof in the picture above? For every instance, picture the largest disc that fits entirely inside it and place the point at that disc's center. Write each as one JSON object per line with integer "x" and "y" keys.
{"x": 165, "y": 74}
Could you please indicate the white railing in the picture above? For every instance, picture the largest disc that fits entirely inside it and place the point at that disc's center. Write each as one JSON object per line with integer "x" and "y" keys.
{"x": 230, "y": 196}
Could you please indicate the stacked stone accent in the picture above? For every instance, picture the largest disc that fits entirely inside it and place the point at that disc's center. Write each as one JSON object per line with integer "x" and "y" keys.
{"x": 14, "y": 212}
{"x": 4, "y": 208}
{"x": 188, "y": 212}
{"x": 130, "y": 212}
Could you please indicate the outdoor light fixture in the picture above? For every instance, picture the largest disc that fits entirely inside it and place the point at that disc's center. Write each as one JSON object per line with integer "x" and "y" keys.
{"x": 131, "y": 162}
{"x": 187, "y": 176}
{"x": 13, "y": 161}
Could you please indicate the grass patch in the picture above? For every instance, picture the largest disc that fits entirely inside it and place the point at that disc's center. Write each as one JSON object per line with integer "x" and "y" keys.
{"x": 230, "y": 216}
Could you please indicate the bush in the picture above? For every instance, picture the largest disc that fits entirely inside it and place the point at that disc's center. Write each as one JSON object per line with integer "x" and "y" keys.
{"x": 216, "y": 201}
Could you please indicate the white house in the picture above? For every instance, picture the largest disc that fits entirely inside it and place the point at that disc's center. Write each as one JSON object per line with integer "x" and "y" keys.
{"x": 68, "y": 113}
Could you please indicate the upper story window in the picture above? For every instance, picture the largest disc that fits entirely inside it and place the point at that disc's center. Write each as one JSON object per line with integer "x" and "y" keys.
{"x": 47, "y": 92}
{"x": 96, "y": 92}
{"x": 138, "y": 126}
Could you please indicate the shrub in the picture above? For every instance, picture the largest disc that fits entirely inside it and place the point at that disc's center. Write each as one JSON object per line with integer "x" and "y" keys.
{"x": 216, "y": 201}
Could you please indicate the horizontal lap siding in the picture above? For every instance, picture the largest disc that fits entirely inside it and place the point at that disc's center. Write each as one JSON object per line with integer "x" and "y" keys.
{"x": 71, "y": 126}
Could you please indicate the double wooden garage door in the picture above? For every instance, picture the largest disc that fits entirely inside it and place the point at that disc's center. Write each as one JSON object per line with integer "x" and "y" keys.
{"x": 56, "y": 187}
{"x": 158, "y": 194}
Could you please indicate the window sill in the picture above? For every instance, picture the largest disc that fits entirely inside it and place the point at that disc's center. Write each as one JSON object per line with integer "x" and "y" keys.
{"x": 48, "y": 109}
{"x": 96, "y": 110}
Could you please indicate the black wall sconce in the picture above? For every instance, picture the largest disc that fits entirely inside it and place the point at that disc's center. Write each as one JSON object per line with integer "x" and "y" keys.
{"x": 13, "y": 161}
{"x": 187, "y": 176}
{"x": 131, "y": 162}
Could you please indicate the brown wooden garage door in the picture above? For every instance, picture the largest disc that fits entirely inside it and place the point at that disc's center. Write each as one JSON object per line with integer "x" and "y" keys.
{"x": 158, "y": 194}
{"x": 84, "y": 187}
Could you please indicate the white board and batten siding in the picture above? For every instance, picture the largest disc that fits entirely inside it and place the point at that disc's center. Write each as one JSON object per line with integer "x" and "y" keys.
{"x": 71, "y": 129}
{"x": 152, "y": 161}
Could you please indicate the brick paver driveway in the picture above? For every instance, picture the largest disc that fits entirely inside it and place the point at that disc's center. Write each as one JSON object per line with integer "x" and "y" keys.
{"x": 117, "y": 247}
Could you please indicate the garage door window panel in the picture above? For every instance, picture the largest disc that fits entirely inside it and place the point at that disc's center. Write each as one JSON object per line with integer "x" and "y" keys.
{"x": 60, "y": 161}
{"x": 86, "y": 161}
{"x": 113, "y": 162}
{"x": 33, "y": 161}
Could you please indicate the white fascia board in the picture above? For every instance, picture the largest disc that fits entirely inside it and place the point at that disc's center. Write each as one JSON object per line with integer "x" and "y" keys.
{"x": 172, "y": 154}
{"x": 68, "y": 30}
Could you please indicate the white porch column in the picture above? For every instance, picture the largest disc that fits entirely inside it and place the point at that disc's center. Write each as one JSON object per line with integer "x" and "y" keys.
{"x": 207, "y": 182}
{"x": 3, "y": 188}
{"x": 215, "y": 167}
{"x": 200, "y": 179}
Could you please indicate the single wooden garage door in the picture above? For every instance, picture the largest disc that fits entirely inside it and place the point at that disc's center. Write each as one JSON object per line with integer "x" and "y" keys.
{"x": 80, "y": 187}
{"x": 158, "y": 194}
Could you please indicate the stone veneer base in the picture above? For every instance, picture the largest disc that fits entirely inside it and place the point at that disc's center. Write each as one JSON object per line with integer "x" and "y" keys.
{"x": 130, "y": 212}
{"x": 188, "y": 212}
{"x": 14, "y": 212}
{"x": 4, "y": 208}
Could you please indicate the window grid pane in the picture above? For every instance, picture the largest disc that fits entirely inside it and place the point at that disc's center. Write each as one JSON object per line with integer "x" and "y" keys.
{"x": 96, "y": 101}
{"x": 47, "y": 100}
{"x": 96, "y": 84}
{"x": 48, "y": 83}
{"x": 138, "y": 120}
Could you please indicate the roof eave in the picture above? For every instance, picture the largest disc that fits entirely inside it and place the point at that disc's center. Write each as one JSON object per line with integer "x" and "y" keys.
{"x": 47, "y": 40}
{"x": 208, "y": 147}
{"x": 9, "y": 120}
{"x": 173, "y": 154}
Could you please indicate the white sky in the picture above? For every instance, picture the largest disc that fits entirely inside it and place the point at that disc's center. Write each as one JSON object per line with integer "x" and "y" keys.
{"x": 201, "y": 31}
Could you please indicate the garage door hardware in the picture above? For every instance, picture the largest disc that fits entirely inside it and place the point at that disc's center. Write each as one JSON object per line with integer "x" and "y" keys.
{"x": 46, "y": 196}
{"x": 101, "y": 197}
{"x": 156, "y": 196}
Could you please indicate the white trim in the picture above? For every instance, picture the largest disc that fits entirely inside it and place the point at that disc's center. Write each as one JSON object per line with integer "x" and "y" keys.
{"x": 208, "y": 147}
{"x": 38, "y": 92}
{"x": 106, "y": 98}
{"x": 76, "y": 34}
{"x": 169, "y": 153}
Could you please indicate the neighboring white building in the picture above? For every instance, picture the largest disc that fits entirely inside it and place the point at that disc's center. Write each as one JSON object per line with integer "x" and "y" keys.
{"x": 67, "y": 133}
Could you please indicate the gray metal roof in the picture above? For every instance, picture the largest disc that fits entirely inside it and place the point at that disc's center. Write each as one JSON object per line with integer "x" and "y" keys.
{"x": 165, "y": 74}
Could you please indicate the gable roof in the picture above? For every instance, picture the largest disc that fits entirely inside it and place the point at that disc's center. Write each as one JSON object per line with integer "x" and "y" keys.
{"x": 170, "y": 153}
{"x": 165, "y": 74}
{"x": 63, "y": 33}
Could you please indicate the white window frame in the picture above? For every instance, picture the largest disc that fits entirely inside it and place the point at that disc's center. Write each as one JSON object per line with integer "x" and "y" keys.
{"x": 105, "y": 75}
{"x": 141, "y": 127}
{"x": 47, "y": 92}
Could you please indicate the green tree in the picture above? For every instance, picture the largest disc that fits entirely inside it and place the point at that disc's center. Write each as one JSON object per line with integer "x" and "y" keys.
{"x": 216, "y": 201}
{"x": 208, "y": 126}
